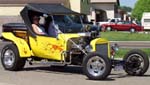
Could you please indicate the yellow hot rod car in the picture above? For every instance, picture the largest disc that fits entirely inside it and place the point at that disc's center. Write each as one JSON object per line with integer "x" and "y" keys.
{"x": 72, "y": 46}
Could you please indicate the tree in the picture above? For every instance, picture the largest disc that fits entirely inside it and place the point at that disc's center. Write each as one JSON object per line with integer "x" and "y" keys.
{"x": 140, "y": 7}
{"x": 125, "y": 8}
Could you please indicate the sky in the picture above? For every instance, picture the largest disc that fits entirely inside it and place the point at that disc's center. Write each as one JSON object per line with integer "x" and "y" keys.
{"x": 129, "y": 3}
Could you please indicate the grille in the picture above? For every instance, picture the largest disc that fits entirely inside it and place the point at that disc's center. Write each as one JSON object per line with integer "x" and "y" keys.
{"x": 102, "y": 49}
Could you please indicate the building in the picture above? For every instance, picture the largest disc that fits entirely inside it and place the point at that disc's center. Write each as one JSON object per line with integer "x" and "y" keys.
{"x": 98, "y": 10}
{"x": 10, "y": 9}
{"x": 13, "y": 7}
{"x": 81, "y": 6}
{"x": 102, "y": 10}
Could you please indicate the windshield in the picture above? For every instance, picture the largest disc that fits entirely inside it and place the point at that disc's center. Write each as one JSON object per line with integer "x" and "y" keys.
{"x": 69, "y": 18}
{"x": 76, "y": 18}
{"x": 62, "y": 19}
{"x": 68, "y": 23}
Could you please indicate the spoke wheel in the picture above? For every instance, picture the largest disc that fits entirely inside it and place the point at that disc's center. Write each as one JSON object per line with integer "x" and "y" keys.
{"x": 136, "y": 62}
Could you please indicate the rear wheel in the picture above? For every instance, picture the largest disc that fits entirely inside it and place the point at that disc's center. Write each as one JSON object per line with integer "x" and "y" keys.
{"x": 96, "y": 67}
{"x": 136, "y": 62}
{"x": 10, "y": 58}
{"x": 103, "y": 29}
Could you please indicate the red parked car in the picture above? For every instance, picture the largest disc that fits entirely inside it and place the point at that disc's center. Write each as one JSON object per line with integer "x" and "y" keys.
{"x": 122, "y": 26}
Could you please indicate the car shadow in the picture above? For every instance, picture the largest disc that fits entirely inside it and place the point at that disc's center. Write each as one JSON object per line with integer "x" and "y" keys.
{"x": 124, "y": 75}
{"x": 107, "y": 79}
{"x": 56, "y": 69}
{"x": 69, "y": 70}
{"x": 147, "y": 75}
{"x": 75, "y": 70}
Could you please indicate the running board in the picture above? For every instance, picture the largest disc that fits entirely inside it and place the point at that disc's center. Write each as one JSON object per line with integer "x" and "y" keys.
{"x": 48, "y": 63}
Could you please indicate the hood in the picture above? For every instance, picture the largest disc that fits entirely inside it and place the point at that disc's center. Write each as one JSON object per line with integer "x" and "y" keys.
{"x": 67, "y": 36}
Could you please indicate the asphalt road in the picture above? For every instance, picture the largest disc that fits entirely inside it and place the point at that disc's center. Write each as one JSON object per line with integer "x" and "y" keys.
{"x": 45, "y": 75}
{"x": 72, "y": 75}
{"x": 132, "y": 44}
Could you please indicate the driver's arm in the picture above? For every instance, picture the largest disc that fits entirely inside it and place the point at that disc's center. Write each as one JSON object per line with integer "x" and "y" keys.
{"x": 35, "y": 29}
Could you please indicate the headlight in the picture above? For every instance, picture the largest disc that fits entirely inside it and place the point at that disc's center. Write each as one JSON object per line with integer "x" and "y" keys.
{"x": 88, "y": 48}
{"x": 115, "y": 47}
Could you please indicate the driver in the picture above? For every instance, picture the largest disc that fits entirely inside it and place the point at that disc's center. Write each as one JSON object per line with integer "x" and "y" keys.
{"x": 36, "y": 26}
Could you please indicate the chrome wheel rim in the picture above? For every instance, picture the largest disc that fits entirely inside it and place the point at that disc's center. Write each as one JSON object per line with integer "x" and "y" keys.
{"x": 137, "y": 62}
{"x": 9, "y": 58}
{"x": 96, "y": 66}
{"x": 132, "y": 30}
{"x": 108, "y": 28}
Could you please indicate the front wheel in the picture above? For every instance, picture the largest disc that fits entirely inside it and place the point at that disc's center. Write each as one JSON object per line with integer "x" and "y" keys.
{"x": 10, "y": 58}
{"x": 96, "y": 66}
{"x": 136, "y": 62}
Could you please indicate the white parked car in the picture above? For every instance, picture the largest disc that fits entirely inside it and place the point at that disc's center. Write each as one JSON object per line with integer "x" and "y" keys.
{"x": 114, "y": 20}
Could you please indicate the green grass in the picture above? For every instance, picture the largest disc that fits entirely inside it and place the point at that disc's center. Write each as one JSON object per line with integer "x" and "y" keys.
{"x": 122, "y": 36}
{"x": 121, "y": 53}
